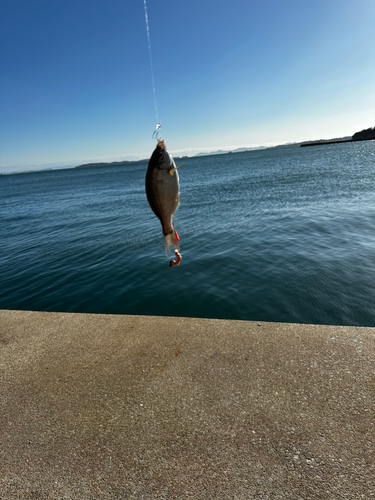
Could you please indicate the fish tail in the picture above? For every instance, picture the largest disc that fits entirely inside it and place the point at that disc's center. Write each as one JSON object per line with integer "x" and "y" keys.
{"x": 171, "y": 241}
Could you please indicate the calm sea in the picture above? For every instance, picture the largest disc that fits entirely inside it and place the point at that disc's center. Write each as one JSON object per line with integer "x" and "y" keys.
{"x": 284, "y": 234}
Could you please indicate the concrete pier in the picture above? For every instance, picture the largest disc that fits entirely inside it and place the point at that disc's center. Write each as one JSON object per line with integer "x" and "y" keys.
{"x": 130, "y": 407}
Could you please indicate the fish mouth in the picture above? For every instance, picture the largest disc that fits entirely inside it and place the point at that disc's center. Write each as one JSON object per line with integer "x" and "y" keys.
{"x": 161, "y": 144}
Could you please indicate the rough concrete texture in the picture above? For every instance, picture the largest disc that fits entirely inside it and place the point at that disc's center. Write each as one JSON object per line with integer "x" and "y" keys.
{"x": 131, "y": 407}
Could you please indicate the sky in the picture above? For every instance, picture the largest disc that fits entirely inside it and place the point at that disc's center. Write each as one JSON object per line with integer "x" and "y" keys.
{"x": 76, "y": 82}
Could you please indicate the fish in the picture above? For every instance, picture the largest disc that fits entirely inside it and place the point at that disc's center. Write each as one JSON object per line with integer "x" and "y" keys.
{"x": 163, "y": 195}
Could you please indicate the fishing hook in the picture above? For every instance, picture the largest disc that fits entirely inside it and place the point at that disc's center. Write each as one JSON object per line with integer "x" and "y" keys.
{"x": 155, "y": 135}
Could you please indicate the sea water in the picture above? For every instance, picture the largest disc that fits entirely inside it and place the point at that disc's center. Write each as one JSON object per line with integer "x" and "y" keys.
{"x": 284, "y": 234}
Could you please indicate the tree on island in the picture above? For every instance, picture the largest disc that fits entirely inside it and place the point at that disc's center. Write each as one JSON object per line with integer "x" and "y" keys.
{"x": 364, "y": 135}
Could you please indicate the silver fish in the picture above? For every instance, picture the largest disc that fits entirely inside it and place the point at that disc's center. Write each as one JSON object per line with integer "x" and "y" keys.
{"x": 163, "y": 195}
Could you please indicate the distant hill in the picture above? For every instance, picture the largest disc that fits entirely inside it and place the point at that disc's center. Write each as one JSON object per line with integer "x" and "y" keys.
{"x": 109, "y": 164}
{"x": 224, "y": 152}
{"x": 212, "y": 153}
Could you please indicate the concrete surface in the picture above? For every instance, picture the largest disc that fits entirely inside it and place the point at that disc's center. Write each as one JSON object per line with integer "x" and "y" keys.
{"x": 131, "y": 407}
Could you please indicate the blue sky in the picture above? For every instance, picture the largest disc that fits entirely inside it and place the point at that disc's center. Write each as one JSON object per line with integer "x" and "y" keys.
{"x": 75, "y": 77}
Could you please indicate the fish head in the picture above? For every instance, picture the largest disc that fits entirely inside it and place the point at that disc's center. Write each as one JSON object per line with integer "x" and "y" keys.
{"x": 161, "y": 157}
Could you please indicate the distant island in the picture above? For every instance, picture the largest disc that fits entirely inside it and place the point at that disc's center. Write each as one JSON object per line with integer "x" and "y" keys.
{"x": 109, "y": 164}
{"x": 364, "y": 135}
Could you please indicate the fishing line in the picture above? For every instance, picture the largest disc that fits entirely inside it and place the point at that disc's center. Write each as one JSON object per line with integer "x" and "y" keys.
{"x": 158, "y": 125}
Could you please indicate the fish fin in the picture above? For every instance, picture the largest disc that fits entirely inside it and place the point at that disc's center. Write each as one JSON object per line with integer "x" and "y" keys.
{"x": 172, "y": 170}
{"x": 171, "y": 241}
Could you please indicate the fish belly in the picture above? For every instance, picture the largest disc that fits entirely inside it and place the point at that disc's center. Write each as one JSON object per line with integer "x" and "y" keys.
{"x": 163, "y": 194}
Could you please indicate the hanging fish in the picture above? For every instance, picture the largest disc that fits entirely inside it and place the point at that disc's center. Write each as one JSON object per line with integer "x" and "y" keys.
{"x": 163, "y": 195}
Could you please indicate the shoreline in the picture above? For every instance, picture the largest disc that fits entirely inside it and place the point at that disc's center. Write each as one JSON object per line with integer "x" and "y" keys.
{"x": 323, "y": 143}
